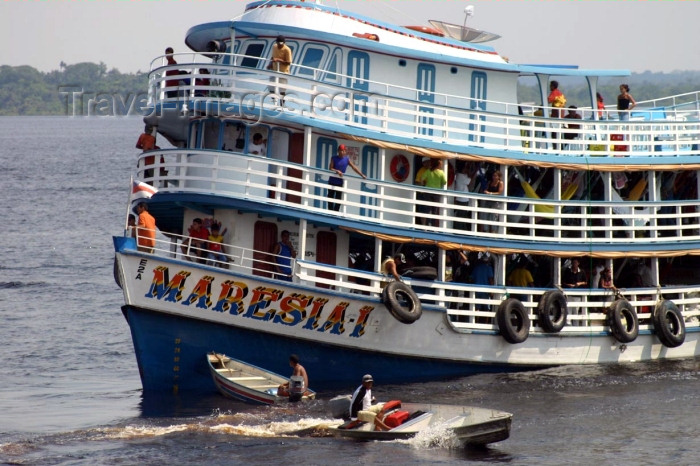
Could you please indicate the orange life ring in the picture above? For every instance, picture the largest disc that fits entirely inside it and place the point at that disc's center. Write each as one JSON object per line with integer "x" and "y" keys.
{"x": 400, "y": 167}
{"x": 426, "y": 30}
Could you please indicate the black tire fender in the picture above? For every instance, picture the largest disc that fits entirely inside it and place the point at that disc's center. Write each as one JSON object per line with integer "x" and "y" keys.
{"x": 513, "y": 321}
{"x": 623, "y": 321}
{"x": 552, "y": 311}
{"x": 402, "y": 302}
{"x": 669, "y": 324}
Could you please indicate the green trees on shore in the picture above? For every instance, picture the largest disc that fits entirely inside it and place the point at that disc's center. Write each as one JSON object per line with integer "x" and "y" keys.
{"x": 85, "y": 89}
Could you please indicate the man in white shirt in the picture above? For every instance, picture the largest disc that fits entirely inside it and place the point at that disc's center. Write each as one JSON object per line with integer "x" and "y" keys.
{"x": 361, "y": 407}
{"x": 258, "y": 146}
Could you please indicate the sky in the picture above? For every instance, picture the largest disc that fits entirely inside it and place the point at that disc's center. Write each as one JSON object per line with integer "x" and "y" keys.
{"x": 634, "y": 35}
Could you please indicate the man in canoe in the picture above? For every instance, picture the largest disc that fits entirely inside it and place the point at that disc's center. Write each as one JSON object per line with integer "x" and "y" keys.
{"x": 298, "y": 382}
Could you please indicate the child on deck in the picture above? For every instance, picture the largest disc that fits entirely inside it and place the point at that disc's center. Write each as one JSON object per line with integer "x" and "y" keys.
{"x": 216, "y": 248}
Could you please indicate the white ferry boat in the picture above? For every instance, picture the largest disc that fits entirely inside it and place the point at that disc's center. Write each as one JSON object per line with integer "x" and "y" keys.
{"x": 613, "y": 189}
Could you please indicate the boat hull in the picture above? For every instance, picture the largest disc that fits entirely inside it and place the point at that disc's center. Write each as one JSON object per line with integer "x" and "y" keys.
{"x": 469, "y": 425}
{"x": 179, "y": 311}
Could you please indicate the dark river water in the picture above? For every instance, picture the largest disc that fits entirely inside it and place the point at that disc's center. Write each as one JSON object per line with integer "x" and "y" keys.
{"x": 69, "y": 386}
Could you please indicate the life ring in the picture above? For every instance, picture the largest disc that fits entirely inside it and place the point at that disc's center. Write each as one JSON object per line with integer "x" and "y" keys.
{"x": 552, "y": 311}
{"x": 669, "y": 324}
{"x": 402, "y": 302}
{"x": 623, "y": 322}
{"x": 400, "y": 168}
{"x": 513, "y": 321}
{"x": 426, "y": 30}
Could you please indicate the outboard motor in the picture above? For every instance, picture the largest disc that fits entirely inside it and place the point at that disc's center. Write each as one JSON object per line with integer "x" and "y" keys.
{"x": 296, "y": 387}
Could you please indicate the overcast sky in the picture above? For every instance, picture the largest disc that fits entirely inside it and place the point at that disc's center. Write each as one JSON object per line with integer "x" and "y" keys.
{"x": 637, "y": 35}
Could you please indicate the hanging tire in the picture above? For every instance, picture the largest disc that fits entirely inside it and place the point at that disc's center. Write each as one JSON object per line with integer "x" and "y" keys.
{"x": 669, "y": 324}
{"x": 623, "y": 322}
{"x": 552, "y": 311}
{"x": 513, "y": 321}
{"x": 402, "y": 302}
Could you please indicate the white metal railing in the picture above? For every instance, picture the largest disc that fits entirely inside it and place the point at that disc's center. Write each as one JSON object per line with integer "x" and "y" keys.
{"x": 580, "y": 222}
{"x": 452, "y": 119}
{"x": 468, "y": 307}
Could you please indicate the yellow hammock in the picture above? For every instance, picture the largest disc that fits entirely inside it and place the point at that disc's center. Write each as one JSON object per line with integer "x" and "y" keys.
{"x": 543, "y": 208}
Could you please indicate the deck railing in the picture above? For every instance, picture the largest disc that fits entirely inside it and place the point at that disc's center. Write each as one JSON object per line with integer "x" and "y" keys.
{"x": 446, "y": 119}
{"x": 579, "y": 224}
{"x": 468, "y": 307}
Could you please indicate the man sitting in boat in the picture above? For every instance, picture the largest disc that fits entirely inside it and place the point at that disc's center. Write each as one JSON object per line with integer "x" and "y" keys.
{"x": 298, "y": 382}
{"x": 361, "y": 407}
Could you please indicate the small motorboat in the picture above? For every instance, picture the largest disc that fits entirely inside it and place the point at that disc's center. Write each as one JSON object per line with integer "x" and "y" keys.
{"x": 469, "y": 425}
{"x": 246, "y": 382}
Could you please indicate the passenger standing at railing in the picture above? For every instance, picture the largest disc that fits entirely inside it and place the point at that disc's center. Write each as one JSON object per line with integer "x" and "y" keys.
{"x": 339, "y": 164}
{"x": 172, "y": 83}
{"x": 463, "y": 183}
{"x": 421, "y": 208}
{"x": 495, "y": 188}
{"x": 601, "y": 106}
{"x": 557, "y": 101}
{"x": 284, "y": 253}
{"x": 434, "y": 178}
{"x": 147, "y": 142}
{"x": 625, "y": 102}
{"x": 146, "y": 229}
{"x": 281, "y": 62}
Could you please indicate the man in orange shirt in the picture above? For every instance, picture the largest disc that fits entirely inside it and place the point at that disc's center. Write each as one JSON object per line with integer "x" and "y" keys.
{"x": 146, "y": 229}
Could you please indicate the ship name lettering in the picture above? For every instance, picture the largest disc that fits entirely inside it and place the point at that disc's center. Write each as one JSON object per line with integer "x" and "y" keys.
{"x": 267, "y": 304}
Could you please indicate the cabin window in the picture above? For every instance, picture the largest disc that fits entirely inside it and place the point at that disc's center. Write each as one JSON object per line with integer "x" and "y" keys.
{"x": 426, "y": 93}
{"x": 333, "y": 67}
{"x": 369, "y": 166}
{"x": 209, "y": 135}
{"x": 358, "y": 78}
{"x": 453, "y": 70}
{"x": 234, "y": 135}
{"x": 312, "y": 57}
{"x": 402, "y": 62}
{"x": 253, "y": 52}
{"x": 478, "y": 101}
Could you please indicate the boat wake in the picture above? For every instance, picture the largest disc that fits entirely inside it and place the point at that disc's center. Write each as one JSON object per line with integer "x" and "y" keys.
{"x": 436, "y": 436}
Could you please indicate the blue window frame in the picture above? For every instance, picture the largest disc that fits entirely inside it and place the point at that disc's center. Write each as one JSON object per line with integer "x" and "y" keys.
{"x": 426, "y": 93}
{"x": 358, "y": 78}
{"x": 254, "y": 51}
{"x": 478, "y": 101}
{"x": 312, "y": 57}
{"x": 369, "y": 166}
{"x": 325, "y": 149}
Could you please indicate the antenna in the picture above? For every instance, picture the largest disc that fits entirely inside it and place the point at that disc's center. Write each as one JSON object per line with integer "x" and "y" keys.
{"x": 468, "y": 11}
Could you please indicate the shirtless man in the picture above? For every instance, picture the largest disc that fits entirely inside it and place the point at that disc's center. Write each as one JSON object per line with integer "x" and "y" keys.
{"x": 297, "y": 370}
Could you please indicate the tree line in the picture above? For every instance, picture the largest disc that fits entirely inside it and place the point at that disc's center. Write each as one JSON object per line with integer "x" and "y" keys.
{"x": 91, "y": 89}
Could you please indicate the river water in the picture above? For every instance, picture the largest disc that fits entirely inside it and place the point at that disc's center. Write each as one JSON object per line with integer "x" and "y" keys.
{"x": 69, "y": 386}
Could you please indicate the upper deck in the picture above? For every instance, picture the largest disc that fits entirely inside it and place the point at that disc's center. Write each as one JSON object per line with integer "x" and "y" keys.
{"x": 662, "y": 134}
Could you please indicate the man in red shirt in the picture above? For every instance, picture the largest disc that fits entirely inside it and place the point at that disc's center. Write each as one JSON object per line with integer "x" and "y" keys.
{"x": 196, "y": 244}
